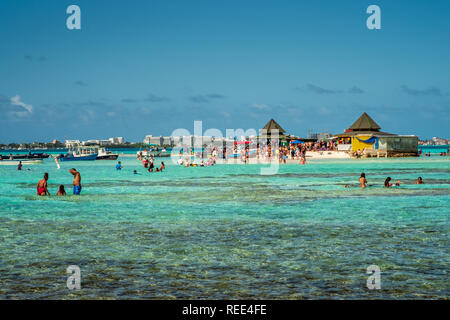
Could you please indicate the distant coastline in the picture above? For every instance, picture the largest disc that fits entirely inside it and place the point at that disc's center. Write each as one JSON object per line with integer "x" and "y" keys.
{"x": 133, "y": 149}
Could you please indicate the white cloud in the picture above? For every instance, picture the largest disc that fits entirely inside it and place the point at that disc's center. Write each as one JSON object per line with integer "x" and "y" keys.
{"x": 16, "y": 101}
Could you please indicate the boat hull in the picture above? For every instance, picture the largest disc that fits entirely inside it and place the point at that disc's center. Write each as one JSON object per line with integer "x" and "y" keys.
{"x": 108, "y": 157}
{"x": 90, "y": 157}
{"x": 34, "y": 156}
{"x": 155, "y": 154}
{"x": 16, "y": 162}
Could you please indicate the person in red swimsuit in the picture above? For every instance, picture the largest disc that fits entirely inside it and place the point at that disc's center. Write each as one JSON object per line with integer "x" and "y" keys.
{"x": 42, "y": 186}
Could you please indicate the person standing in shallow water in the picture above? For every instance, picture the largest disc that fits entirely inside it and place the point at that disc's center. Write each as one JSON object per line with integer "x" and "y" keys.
{"x": 42, "y": 186}
{"x": 76, "y": 181}
{"x": 362, "y": 180}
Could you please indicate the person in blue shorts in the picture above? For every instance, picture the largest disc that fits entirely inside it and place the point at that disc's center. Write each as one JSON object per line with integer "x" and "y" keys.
{"x": 76, "y": 181}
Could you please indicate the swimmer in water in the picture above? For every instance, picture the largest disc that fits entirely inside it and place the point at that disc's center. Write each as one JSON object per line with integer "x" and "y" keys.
{"x": 42, "y": 186}
{"x": 387, "y": 183}
{"x": 362, "y": 180}
{"x": 163, "y": 166}
{"x": 419, "y": 181}
{"x": 61, "y": 191}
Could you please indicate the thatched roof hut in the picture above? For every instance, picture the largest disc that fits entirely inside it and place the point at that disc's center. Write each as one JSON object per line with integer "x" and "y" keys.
{"x": 273, "y": 125}
{"x": 364, "y": 135}
{"x": 364, "y": 123}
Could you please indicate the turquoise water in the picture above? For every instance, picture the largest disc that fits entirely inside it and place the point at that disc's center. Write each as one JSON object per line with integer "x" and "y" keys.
{"x": 226, "y": 232}
{"x": 434, "y": 149}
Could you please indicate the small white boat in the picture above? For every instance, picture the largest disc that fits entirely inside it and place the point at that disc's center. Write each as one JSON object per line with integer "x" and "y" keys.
{"x": 104, "y": 154}
{"x": 16, "y": 162}
{"x": 152, "y": 152}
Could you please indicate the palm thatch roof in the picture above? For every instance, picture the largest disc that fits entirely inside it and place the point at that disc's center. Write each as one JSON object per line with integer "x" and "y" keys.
{"x": 367, "y": 133}
{"x": 365, "y": 123}
{"x": 273, "y": 125}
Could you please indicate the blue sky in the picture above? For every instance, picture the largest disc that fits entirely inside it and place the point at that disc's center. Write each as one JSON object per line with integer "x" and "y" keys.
{"x": 149, "y": 67}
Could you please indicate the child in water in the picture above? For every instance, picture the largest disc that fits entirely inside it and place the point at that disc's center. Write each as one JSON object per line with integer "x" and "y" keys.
{"x": 61, "y": 191}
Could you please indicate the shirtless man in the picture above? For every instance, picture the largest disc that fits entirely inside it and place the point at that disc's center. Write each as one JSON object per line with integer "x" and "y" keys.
{"x": 42, "y": 186}
{"x": 362, "y": 180}
{"x": 76, "y": 181}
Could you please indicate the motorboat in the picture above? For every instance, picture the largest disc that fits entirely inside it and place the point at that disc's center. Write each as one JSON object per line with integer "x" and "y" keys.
{"x": 152, "y": 152}
{"x": 25, "y": 156}
{"x": 79, "y": 153}
{"x": 16, "y": 162}
{"x": 104, "y": 154}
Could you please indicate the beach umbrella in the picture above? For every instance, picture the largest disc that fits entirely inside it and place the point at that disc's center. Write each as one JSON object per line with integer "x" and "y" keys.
{"x": 296, "y": 142}
{"x": 242, "y": 142}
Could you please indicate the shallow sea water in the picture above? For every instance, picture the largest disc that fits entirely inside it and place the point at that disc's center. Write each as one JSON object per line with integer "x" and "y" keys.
{"x": 227, "y": 232}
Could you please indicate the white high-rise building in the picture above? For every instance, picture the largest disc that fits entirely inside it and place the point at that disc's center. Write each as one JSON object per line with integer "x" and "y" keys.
{"x": 116, "y": 140}
{"x": 72, "y": 142}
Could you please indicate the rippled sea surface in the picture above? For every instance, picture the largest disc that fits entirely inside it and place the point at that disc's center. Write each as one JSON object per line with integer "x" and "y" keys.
{"x": 227, "y": 232}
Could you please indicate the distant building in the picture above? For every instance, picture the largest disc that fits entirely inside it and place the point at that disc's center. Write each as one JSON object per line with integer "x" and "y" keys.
{"x": 324, "y": 136}
{"x": 191, "y": 140}
{"x": 177, "y": 141}
{"x": 158, "y": 141}
{"x": 68, "y": 143}
{"x": 96, "y": 142}
{"x": 365, "y": 135}
{"x": 440, "y": 141}
{"x": 116, "y": 140}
